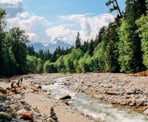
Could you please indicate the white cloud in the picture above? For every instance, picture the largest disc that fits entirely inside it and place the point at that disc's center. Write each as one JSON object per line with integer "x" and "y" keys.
{"x": 40, "y": 29}
{"x": 34, "y": 26}
{"x": 88, "y": 26}
{"x": 10, "y": 1}
{"x": 12, "y": 7}
{"x": 23, "y": 15}
{"x": 67, "y": 34}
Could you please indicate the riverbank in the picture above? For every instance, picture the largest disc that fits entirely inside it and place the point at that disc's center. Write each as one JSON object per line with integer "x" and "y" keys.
{"x": 118, "y": 89}
{"x": 35, "y": 102}
{"x": 128, "y": 90}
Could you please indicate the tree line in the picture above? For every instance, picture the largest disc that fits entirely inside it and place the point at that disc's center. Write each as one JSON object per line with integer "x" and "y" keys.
{"x": 122, "y": 46}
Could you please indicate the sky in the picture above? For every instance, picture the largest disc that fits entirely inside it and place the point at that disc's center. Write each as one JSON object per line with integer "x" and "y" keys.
{"x": 46, "y": 20}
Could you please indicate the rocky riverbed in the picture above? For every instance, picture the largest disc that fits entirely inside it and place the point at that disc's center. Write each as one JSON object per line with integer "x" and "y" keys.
{"x": 30, "y": 102}
{"x": 119, "y": 89}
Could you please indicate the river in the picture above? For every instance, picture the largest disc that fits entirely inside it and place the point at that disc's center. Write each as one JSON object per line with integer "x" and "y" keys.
{"x": 99, "y": 110}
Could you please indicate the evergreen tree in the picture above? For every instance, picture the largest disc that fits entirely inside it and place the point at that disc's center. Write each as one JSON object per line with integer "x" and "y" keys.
{"x": 130, "y": 56}
{"x": 57, "y": 53}
{"x": 115, "y": 6}
{"x": 84, "y": 63}
{"x": 101, "y": 33}
{"x": 60, "y": 66}
{"x": 31, "y": 51}
{"x": 85, "y": 46}
{"x": 99, "y": 58}
{"x": 31, "y": 63}
{"x": 142, "y": 23}
{"x": 2, "y": 35}
{"x": 78, "y": 41}
{"x": 49, "y": 67}
{"x": 68, "y": 62}
{"x": 18, "y": 40}
{"x": 111, "y": 50}
{"x": 91, "y": 47}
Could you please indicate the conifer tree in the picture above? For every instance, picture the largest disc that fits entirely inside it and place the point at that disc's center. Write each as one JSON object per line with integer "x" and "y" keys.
{"x": 115, "y": 6}
{"x": 78, "y": 41}
{"x": 2, "y": 24}
{"x": 142, "y": 23}
{"x": 130, "y": 56}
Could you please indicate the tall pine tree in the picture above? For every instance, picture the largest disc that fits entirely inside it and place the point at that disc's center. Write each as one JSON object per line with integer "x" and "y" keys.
{"x": 143, "y": 32}
{"x": 2, "y": 24}
{"x": 130, "y": 55}
{"x": 78, "y": 41}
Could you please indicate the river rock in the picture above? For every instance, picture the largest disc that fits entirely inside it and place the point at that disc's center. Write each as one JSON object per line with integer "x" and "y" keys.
{"x": 25, "y": 114}
{"x": 5, "y": 116}
{"x": 2, "y": 107}
{"x": 3, "y": 97}
{"x": 111, "y": 92}
{"x": 65, "y": 96}
{"x": 2, "y": 90}
{"x": 146, "y": 112}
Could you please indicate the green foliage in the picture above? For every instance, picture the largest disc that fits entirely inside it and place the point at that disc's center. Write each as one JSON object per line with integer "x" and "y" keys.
{"x": 130, "y": 55}
{"x": 84, "y": 63}
{"x": 68, "y": 63}
{"x": 39, "y": 67}
{"x": 31, "y": 51}
{"x": 75, "y": 55}
{"x": 78, "y": 41}
{"x": 9, "y": 67}
{"x": 115, "y": 6}
{"x": 31, "y": 63}
{"x": 17, "y": 39}
{"x": 49, "y": 67}
{"x": 2, "y": 36}
{"x": 34, "y": 64}
{"x": 121, "y": 46}
{"x": 142, "y": 24}
{"x": 13, "y": 49}
{"x": 126, "y": 48}
{"x": 99, "y": 58}
{"x": 111, "y": 47}
{"x": 2, "y": 22}
{"x": 60, "y": 64}
{"x": 57, "y": 53}
{"x": 106, "y": 54}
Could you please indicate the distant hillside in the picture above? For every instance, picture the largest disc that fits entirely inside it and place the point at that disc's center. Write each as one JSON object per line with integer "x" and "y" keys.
{"x": 51, "y": 46}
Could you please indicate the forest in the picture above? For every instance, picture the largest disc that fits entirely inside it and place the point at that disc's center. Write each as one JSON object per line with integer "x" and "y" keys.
{"x": 122, "y": 46}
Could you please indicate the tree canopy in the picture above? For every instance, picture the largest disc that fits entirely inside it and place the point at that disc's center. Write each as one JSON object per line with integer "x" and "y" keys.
{"x": 122, "y": 46}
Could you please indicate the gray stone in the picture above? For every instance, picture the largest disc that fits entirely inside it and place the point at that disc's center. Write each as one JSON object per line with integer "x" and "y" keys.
{"x": 5, "y": 116}
{"x": 146, "y": 112}
{"x": 65, "y": 96}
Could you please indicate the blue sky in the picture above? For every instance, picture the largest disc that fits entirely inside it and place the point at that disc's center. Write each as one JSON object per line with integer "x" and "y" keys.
{"x": 51, "y": 9}
{"x": 46, "y": 20}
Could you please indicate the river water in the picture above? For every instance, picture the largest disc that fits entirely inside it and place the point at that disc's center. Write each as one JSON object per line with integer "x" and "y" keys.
{"x": 92, "y": 107}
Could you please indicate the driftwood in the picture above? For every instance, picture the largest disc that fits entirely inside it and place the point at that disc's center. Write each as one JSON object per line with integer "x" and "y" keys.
{"x": 144, "y": 73}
